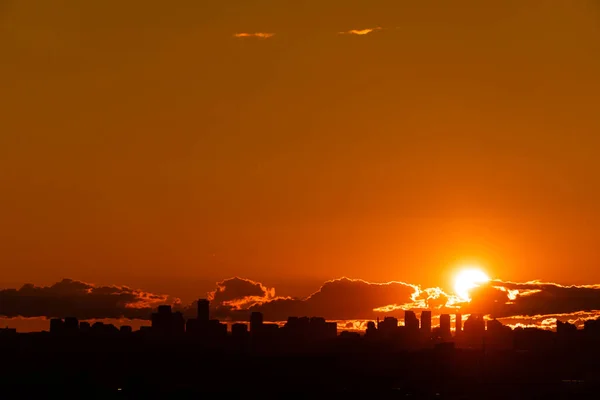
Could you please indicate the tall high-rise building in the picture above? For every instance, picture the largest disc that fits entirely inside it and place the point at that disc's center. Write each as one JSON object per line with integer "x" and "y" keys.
{"x": 458, "y": 324}
{"x": 56, "y": 325}
{"x": 445, "y": 326}
{"x": 71, "y": 325}
{"x": 203, "y": 310}
{"x": 426, "y": 323}
{"x": 239, "y": 331}
{"x": 84, "y": 326}
{"x": 388, "y": 327}
{"x": 165, "y": 322}
{"x": 411, "y": 322}
{"x": 256, "y": 322}
{"x": 474, "y": 329}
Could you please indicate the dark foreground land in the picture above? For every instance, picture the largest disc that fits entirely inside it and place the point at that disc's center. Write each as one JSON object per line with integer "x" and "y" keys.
{"x": 94, "y": 368}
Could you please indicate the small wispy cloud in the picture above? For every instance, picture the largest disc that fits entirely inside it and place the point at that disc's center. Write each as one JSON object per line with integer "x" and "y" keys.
{"x": 361, "y": 32}
{"x": 260, "y": 35}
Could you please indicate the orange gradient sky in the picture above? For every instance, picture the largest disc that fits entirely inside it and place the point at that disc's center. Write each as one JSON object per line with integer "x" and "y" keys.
{"x": 143, "y": 143}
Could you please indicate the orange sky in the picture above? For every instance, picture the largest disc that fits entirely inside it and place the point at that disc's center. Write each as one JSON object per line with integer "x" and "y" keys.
{"x": 141, "y": 143}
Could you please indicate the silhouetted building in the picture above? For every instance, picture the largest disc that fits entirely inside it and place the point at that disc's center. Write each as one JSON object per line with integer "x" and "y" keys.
{"x": 84, "y": 327}
{"x": 388, "y": 327}
{"x": 563, "y": 328}
{"x": 71, "y": 326}
{"x": 475, "y": 330}
{"x": 445, "y": 330}
{"x": 126, "y": 329}
{"x": 7, "y": 332}
{"x": 566, "y": 333}
{"x": 458, "y": 324}
{"x": 592, "y": 326}
{"x": 444, "y": 348}
{"x": 426, "y": 323}
{"x": 165, "y": 322}
{"x": 216, "y": 331}
{"x": 256, "y": 322}
{"x": 494, "y": 326}
{"x": 203, "y": 313}
{"x": 411, "y": 322}
{"x": 345, "y": 335}
{"x": 101, "y": 329}
{"x": 239, "y": 330}
{"x": 194, "y": 328}
{"x": 56, "y": 326}
{"x": 269, "y": 329}
{"x": 371, "y": 331}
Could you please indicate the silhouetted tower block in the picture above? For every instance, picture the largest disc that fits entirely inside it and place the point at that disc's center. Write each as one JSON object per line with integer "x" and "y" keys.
{"x": 565, "y": 328}
{"x": 84, "y": 327}
{"x": 160, "y": 321}
{"x": 256, "y": 322}
{"x": 566, "y": 333}
{"x": 126, "y": 330}
{"x": 97, "y": 327}
{"x": 203, "y": 311}
{"x": 475, "y": 330}
{"x": 590, "y": 333}
{"x": 445, "y": 331}
{"x": 458, "y": 324}
{"x": 102, "y": 329}
{"x": 388, "y": 327}
{"x": 71, "y": 325}
{"x": 292, "y": 325}
{"x": 270, "y": 330}
{"x": 498, "y": 335}
{"x": 371, "y": 330}
{"x": 298, "y": 329}
{"x": 8, "y": 332}
{"x": 56, "y": 326}
{"x": 239, "y": 331}
{"x": 178, "y": 324}
{"x": 494, "y": 326}
{"x": 411, "y": 322}
{"x": 591, "y": 326}
{"x": 426, "y": 323}
{"x": 317, "y": 328}
{"x": 353, "y": 336}
{"x": 110, "y": 329}
{"x": 216, "y": 331}
{"x": 165, "y": 322}
{"x": 331, "y": 330}
{"x": 194, "y": 328}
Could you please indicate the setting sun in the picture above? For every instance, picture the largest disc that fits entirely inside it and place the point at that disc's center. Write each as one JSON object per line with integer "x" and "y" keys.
{"x": 467, "y": 279}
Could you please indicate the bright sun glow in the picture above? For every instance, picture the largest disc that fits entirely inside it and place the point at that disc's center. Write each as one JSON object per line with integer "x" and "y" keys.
{"x": 467, "y": 279}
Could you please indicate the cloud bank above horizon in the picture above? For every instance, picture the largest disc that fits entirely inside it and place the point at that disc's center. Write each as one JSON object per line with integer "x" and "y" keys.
{"x": 526, "y": 304}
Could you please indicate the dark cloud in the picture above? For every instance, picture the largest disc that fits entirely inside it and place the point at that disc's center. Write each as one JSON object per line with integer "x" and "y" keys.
{"x": 79, "y": 299}
{"x": 342, "y": 299}
{"x": 548, "y": 321}
{"x": 506, "y": 299}
{"x": 234, "y": 297}
{"x": 239, "y": 293}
